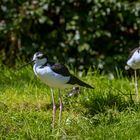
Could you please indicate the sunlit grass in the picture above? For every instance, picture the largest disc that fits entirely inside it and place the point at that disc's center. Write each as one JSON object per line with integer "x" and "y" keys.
{"x": 107, "y": 112}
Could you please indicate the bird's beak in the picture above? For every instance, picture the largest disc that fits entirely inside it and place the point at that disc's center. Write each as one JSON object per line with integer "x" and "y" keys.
{"x": 25, "y": 65}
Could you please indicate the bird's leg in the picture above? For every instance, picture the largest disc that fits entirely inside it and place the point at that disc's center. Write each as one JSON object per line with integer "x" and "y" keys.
{"x": 136, "y": 83}
{"x": 54, "y": 109}
{"x": 61, "y": 107}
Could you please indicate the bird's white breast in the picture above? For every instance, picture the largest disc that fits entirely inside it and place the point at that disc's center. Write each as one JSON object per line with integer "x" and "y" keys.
{"x": 51, "y": 78}
{"x": 134, "y": 61}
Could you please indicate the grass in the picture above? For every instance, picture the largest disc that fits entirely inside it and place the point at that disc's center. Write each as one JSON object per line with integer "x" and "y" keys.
{"x": 109, "y": 112}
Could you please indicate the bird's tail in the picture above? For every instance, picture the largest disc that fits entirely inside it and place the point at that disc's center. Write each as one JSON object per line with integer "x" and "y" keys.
{"x": 75, "y": 80}
{"x": 81, "y": 83}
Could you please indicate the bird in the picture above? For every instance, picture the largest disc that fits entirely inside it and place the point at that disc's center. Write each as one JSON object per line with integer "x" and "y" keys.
{"x": 55, "y": 75}
{"x": 134, "y": 63}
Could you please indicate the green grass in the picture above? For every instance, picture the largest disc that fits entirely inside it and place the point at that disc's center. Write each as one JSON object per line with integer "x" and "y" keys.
{"x": 109, "y": 112}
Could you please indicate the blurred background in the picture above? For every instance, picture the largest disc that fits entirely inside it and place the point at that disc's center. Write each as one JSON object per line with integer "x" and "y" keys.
{"x": 97, "y": 34}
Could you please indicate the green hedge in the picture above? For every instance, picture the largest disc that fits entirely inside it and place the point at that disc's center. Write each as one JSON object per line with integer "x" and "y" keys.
{"x": 92, "y": 33}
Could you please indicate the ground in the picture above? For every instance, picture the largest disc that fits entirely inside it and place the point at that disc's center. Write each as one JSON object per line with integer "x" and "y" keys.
{"x": 108, "y": 112}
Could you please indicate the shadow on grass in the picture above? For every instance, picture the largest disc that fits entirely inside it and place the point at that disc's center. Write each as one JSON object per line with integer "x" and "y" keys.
{"x": 117, "y": 102}
{"x": 108, "y": 108}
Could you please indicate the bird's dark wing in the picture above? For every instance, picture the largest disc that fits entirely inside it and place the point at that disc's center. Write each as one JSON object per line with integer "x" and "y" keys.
{"x": 60, "y": 69}
{"x": 74, "y": 80}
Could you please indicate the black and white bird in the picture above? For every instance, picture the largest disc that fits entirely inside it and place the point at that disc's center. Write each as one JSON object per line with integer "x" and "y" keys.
{"x": 55, "y": 75}
{"x": 134, "y": 63}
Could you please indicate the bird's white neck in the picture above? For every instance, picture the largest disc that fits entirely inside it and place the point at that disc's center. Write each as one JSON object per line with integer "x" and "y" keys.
{"x": 41, "y": 62}
{"x": 38, "y": 64}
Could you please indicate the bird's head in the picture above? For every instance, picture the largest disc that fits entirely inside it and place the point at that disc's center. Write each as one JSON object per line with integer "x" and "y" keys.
{"x": 40, "y": 58}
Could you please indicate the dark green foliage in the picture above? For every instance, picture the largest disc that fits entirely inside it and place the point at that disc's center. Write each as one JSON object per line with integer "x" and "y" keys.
{"x": 92, "y": 33}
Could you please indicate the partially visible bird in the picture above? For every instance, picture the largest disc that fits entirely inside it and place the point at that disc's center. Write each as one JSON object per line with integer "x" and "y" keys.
{"x": 134, "y": 63}
{"x": 55, "y": 75}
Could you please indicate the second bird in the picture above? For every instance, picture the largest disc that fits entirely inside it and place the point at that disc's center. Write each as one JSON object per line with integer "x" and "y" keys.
{"x": 134, "y": 63}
